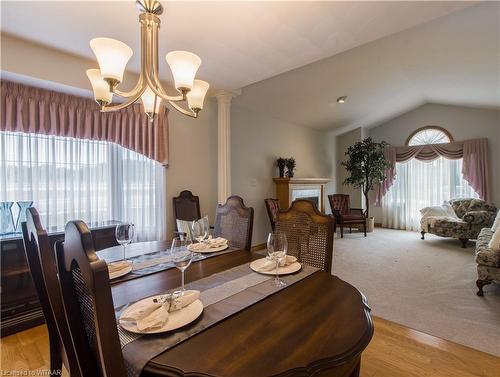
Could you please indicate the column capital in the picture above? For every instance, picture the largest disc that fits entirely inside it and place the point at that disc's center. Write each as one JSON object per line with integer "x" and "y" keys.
{"x": 226, "y": 96}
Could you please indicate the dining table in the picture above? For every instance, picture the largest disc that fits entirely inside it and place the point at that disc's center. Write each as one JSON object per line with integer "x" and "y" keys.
{"x": 318, "y": 326}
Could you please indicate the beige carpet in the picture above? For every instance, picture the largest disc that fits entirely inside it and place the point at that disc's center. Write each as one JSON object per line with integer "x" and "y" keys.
{"x": 426, "y": 285}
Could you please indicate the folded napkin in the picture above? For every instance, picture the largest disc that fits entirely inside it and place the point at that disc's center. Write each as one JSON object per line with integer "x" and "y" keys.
{"x": 151, "y": 314}
{"x": 210, "y": 243}
{"x": 118, "y": 266}
{"x": 270, "y": 264}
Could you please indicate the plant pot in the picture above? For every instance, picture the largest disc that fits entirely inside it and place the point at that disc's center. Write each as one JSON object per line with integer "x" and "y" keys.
{"x": 370, "y": 224}
{"x": 282, "y": 172}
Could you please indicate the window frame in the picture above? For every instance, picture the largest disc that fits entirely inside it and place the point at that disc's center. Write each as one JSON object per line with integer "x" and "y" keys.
{"x": 429, "y": 127}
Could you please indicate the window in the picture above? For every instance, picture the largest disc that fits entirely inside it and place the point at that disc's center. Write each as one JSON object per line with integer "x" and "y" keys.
{"x": 429, "y": 135}
{"x": 90, "y": 180}
{"x": 421, "y": 184}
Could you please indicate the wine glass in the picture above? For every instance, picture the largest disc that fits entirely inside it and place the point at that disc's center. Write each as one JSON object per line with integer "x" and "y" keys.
{"x": 199, "y": 230}
{"x": 124, "y": 233}
{"x": 181, "y": 256}
{"x": 277, "y": 247}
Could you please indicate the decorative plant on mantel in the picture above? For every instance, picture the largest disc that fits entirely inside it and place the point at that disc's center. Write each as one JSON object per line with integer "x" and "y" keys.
{"x": 366, "y": 166}
{"x": 290, "y": 166}
{"x": 281, "y": 162}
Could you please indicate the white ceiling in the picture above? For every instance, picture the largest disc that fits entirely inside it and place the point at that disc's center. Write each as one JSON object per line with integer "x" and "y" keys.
{"x": 451, "y": 60}
{"x": 240, "y": 43}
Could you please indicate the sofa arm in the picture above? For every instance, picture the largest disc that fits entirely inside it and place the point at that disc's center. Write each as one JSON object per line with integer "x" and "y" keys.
{"x": 479, "y": 218}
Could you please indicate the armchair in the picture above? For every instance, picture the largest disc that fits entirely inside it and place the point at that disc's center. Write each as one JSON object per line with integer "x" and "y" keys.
{"x": 472, "y": 216}
{"x": 344, "y": 214}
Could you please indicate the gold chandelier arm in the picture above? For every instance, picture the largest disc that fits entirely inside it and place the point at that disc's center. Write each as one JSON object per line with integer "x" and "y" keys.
{"x": 131, "y": 100}
{"x": 184, "y": 111}
{"x": 132, "y": 92}
{"x": 151, "y": 42}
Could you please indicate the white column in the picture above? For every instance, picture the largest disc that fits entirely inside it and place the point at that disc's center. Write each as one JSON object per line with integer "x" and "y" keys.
{"x": 224, "y": 144}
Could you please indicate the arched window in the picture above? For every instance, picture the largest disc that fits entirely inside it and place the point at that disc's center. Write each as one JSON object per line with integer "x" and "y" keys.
{"x": 429, "y": 135}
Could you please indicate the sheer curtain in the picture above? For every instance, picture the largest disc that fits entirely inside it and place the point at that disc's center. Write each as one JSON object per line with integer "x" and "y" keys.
{"x": 420, "y": 184}
{"x": 70, "y": 178}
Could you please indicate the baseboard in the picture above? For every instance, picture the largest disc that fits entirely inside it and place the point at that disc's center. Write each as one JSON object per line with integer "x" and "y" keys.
{"x": 260, "y": 246}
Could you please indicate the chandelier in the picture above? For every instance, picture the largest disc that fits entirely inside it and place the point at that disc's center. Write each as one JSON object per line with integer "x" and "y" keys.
{"x": 113, "y": 55}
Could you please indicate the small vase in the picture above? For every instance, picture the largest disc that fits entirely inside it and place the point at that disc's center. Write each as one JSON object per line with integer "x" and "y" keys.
{"x": 289, "y": 173}
{"x": 6, "y": 218}
{"x": 23, "y": 205}
{"x": 282, "y": 172}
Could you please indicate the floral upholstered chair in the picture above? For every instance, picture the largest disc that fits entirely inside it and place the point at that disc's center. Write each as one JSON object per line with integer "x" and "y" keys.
{"x": 488, "y": 261}
{"x": 472, "y": 216}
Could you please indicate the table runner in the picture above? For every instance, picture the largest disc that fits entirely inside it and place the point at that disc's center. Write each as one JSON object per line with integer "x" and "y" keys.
{"x": 151, "y": 263}
{"x": 223, "y": 294}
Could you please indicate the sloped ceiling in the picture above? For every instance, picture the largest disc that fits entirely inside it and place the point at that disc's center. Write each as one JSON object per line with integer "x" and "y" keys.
{"x": 451, "y": 60}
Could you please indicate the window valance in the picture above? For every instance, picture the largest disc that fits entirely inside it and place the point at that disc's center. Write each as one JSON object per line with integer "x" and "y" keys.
{"x": 475, "y": 167}
{"x": 34, "y": 110}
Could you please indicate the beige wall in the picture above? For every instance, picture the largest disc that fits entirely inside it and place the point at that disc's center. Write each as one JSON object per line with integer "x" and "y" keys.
{"x": 193, "y": 142}
{"x": 462, "y": 122}
{"x": 256, "y": 142}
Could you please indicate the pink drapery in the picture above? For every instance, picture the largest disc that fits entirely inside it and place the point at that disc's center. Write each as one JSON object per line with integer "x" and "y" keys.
{"x": 475, "y": 165}
{"x": 34, "y": 110}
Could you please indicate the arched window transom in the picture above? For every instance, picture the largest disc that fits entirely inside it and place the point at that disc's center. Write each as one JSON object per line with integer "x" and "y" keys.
{"x": 429, "y": 135}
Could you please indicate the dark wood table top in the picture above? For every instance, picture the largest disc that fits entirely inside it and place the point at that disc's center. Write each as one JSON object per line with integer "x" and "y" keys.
{"x": 314, "y": 325}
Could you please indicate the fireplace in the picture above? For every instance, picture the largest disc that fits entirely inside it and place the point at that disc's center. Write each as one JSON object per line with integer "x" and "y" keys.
{"x": 290, "y": 189}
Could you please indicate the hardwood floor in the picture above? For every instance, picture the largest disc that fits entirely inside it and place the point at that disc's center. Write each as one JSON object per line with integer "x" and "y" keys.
{"x": 395, "y": 351}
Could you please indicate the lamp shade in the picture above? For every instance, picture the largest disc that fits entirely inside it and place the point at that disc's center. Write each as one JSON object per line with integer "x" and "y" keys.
{"x": 184, "y": 66}
{"x": 99, "y": 86}
{"x": 197, "y": 95}
{"x": 112, "y": 56}
{"x": 148, "y": 101}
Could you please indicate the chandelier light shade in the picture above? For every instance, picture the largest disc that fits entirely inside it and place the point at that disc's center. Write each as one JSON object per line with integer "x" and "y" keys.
{"x": 151, "y": 102}
{"x": 197, "y": 95}
{"x": 100, "y": 87}
{"x": 113, "y": 56}
{"x": 184, "y": 66}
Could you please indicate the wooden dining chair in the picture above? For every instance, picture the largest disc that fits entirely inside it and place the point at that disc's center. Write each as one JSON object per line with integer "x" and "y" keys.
{"x": 309, "y": 233}
{"x": 186, "y": 206}
{"x": 234, "y": 221}
{"x": 42, "y": 264}
{"x": 344, "y": 214}
{"x": 88, "y": 303}
{"x": 273, "y": 207}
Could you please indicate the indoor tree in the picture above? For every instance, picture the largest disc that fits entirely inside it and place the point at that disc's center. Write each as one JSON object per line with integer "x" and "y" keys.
{"x": 366, "y": 166}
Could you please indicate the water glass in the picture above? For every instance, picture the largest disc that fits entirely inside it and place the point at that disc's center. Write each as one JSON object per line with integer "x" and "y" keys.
{"x": 277, "y": 247}
{"x": 124, "y": 233}
{"x": 181, "y": 256}
{"x": 199, "y": 229}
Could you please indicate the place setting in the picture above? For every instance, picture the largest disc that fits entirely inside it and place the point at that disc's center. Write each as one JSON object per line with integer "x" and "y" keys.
{"x": 205, "y": 243}
{"x": 169, "y": 311}
{"x": 277, "y": 262}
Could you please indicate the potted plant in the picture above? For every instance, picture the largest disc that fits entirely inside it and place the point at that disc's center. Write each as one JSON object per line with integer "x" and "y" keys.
{"x": 281, "y": 162}
{"x": 366, "y": 166}
{"x": 290, "y": 166}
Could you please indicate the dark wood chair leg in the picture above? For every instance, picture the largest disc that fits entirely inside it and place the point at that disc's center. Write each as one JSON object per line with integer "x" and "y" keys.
{"x": 423, "y": 235}
{"x": 364, "y": 227}
{"x": 464, "y": 242}
{"x": 480, "y": 284}
{"x": 55, "y": 357}
{"x": 341, "y": 231}
{"x": 350, "y": 229}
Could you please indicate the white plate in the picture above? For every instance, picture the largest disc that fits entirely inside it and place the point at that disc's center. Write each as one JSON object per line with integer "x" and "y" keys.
{"x": 176, "y": 319}
{"x": 209, "y": 250}
{"x": 122, "y": 272}
{"x": 290, "y": 269}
